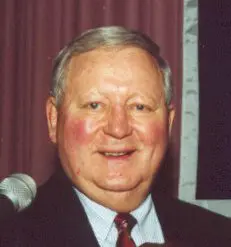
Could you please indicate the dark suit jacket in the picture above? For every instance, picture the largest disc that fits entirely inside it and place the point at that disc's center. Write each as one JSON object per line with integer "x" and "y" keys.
{"x": 57, "y": 219}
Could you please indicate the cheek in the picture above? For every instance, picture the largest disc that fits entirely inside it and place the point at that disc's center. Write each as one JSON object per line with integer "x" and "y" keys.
{"x": 77, "y": 133}
{"x": 155, "y": 133}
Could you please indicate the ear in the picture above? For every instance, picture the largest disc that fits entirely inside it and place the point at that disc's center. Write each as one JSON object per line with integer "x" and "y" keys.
{"x": 171, "y": 116}
{"x": 52, "y": 118}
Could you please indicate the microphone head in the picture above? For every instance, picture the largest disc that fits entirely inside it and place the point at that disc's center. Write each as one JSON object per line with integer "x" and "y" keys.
{"x": 20, "y": 189}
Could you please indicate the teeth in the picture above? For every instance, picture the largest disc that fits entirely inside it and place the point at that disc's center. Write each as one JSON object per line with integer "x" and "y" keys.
{"x": 115, "y": 154}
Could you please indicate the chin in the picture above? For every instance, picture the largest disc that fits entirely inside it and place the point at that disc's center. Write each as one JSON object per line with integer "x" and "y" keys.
{"x": 124, "y": 208}
{"x": 124, "y": 201}
{"x": 119, "y": 184}
{"x": 118, "y": 188}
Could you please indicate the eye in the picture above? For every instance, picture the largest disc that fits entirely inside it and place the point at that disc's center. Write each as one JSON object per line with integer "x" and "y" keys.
{"x": 94, "y": 105}
{"x": 140, "y": 107}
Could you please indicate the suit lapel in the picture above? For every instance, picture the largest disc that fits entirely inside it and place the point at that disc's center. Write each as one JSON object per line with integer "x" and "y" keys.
{"x": 66, "y": 219}
{"x": 188, "y": 225}
{"x": 170, "y": 221}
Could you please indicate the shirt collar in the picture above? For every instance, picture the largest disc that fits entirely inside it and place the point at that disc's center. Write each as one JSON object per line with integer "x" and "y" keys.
{"x": 143, "y": 210}
{"x": 148, "y": 223}
{"x": 100, "y": 218}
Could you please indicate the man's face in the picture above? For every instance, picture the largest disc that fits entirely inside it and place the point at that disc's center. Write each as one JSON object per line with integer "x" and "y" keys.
{"x": 113, "y": 125}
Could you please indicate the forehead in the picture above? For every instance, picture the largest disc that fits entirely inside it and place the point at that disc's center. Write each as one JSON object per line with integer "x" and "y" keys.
{"x": 121, "y": 65}
{"x": 127, "y": 55}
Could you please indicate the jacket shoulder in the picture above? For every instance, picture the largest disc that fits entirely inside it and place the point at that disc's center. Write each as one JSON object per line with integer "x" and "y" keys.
{"x": 48, "y": 221}
{"x": 192, "y": 223}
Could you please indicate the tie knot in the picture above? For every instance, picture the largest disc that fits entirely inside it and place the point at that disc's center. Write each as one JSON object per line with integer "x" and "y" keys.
{"x": 124, "y": 222}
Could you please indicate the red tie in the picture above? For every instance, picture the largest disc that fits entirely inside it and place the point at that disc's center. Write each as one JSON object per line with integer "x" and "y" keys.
{"x": 125, "y": 223}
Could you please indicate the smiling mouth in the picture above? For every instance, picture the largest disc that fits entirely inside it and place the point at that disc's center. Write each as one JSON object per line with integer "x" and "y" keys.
{"x": 117, "y": 154}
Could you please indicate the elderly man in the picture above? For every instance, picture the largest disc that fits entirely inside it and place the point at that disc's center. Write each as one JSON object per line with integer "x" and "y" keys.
{"x": 110, "y": 115}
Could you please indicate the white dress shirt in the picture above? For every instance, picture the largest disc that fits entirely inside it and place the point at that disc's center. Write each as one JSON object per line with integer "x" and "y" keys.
{"x": 147, "y": 229}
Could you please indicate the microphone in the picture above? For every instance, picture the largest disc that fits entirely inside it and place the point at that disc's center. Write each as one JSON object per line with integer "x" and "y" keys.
{"x": 17, "y": 192}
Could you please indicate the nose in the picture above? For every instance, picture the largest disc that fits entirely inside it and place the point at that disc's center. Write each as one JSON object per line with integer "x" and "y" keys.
{"x": 118, "y": 123}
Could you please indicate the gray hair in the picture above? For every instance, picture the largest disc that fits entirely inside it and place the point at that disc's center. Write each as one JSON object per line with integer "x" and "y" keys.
{"x": 106, "y": 37}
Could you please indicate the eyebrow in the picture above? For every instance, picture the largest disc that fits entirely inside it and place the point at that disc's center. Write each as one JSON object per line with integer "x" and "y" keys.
{"x": 150, "y": 96}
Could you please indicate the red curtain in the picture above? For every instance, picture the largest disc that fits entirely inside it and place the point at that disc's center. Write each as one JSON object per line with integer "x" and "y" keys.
{"x": 32, "y": 32}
